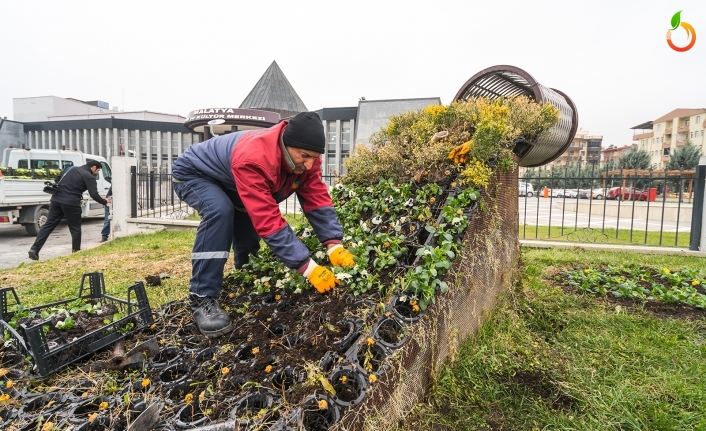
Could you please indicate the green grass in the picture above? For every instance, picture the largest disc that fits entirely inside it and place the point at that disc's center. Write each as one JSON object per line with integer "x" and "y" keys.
{"x": 122, "y": 262}
{"x": 550, "y": 360}
{"x": 604, "y": 236}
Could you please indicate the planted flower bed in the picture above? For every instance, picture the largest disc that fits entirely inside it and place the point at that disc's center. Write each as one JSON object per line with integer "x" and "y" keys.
{"x": 297, "y": 359}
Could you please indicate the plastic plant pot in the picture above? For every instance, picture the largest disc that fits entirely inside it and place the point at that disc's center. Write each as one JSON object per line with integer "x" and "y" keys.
{"x": 167, "y": 356}
{"x": 233, "y": 382}
{"x": 312, "y": 417}
{"x": 351, "y": 334}
{"x": 174, "y": 374}
{"x": 371, "y": 358}
{"x": 328, "y": 361}
{"x": 44, "y": 404}
{"x": 404, "y": 310}
{"x": 177, "y": 393}
{"x": 285, "y": 378}
{"x": 206, "y": 354}
{"x": 389, "y": 332}
{"x": 245, "y": 354}
{"x": 194, "y": 342}
{"x": 7, "y": 415}
{"x": 82, "y": 412}
{"x": 285, "y": 305}
{"x": 253, "y": 409}
{"x": 11, "y": 359}
{"x": 239, "y": 301}
{"x": 271, "y": 298}
{"x": 276, "y": 331}
{"x": 350, "y": 386}
{"x": 194, "y": 414}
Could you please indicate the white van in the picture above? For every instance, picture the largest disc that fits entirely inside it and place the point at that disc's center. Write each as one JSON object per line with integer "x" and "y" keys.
{"x": 526, "y": 189}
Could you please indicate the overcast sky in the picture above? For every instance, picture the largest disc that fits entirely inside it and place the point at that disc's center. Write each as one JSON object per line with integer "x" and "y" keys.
{"x": 610, "y": 57}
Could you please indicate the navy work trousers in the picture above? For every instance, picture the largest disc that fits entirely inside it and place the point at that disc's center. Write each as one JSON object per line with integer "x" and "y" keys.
{"x": 221, "y": 226}
{"x": 57, "y": 211}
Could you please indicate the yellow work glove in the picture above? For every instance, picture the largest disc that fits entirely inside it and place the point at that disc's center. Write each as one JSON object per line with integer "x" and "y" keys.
{"x": 460, "y": 153}
{"x": 320, "y": 277}
{"x": 339, "y": 256}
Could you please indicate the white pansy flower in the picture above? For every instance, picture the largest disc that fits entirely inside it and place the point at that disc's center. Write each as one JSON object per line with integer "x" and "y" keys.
{"x": 364, "y": 273}
{"x": 403, "y": 219}
{"x": 343, "y": 276}
{"x": 351, "y": 193}
{"x": 369, "y": 190}
{"x": 388, "y": 199}
{"x": 339, "y": 186}
{"x": 306, "y": 233}
{"x": 279, "y": 283}
{"x": 376, "y": 220}
{"x": 456, "y": 221}
{"x": 364, "y": 226}
{"x": 409, "y": 203}
{"x": 320, "y": 254}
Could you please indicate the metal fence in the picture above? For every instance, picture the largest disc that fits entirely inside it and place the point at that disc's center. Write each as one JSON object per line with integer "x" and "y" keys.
{"x": 591, "y": 205}
{"x": 585, "y": 206}
{"x": 152, "y": 196}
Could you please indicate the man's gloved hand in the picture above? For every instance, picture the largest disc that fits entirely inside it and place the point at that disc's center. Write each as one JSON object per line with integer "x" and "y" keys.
{"x": 320, "y": 277}
{"x": 339, "y": 256}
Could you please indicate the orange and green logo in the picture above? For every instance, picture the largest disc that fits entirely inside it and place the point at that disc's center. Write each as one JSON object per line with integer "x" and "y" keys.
{"x": 690, "y": 33}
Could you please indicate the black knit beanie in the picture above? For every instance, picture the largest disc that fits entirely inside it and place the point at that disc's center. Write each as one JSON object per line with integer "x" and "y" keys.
{"x": 305, "y": 131}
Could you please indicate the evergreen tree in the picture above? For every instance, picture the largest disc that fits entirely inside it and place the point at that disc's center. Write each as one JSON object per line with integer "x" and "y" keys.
{"x": 686, "y": 157}
{"x": 635, "y": 159}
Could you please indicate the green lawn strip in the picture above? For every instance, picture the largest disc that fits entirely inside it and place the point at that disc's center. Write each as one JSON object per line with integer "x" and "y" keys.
{"x": 122, "y": 262}
{"x": 546, "y": 359}
{"x": 600, "y": 235}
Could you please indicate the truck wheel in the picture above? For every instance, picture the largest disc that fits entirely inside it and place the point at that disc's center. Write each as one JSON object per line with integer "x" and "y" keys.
{"x": 39, "y": 220}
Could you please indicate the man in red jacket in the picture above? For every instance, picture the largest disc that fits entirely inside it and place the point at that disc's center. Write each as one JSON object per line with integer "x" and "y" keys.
{"x": 236, "y": 182}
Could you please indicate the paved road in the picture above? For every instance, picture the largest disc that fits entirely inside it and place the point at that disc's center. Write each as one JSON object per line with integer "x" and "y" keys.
{"x": 16, "y": 243}
{"x": 535, "y": 211}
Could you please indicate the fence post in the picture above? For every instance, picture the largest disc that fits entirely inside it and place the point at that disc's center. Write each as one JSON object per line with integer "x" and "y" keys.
{"x": 151, "y": 190}
{"x": 698, "y": 215}
{"x": 133, "y": 191}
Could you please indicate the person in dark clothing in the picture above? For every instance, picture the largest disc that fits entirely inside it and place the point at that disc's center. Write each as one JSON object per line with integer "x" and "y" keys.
{"x": 105, "y": 232}
{"x": 66, "y": 203}
{"x": 236, "y": 182}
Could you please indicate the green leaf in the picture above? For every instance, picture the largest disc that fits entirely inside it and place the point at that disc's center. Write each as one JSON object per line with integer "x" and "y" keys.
{"x": 676, "y": 20}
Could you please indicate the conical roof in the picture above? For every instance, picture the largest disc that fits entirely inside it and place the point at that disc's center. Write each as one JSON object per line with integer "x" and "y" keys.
{"x": 273, "y": 92}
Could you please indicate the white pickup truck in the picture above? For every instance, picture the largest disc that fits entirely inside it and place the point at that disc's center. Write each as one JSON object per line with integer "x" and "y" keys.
{"x": 21, "y": 197}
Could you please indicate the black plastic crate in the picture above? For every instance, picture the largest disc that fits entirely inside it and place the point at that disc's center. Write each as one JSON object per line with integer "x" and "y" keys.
{"x": 50, "y": 350}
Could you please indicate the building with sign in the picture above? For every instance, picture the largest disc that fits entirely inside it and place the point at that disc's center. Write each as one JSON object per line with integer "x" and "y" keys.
{"x": 157, "y": 139}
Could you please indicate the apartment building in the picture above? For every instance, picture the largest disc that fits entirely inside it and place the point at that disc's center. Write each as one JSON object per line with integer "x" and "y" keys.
{"x": 613, "y": 153}
{"x": 585, "y": 149}
{"x": 667, "y": 133}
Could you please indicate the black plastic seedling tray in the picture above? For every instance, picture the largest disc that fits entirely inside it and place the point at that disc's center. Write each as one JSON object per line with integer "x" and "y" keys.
{"x": 46, "y": 345}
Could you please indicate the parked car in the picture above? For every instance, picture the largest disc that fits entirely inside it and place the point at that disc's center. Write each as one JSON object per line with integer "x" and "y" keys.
{"x": 591, "y": 193}
{"x": 557, "y": 193}
{"x": 526, "y": 189}
{"x": 633, "y": 194}
{"x": 613, "y": 193}
{"x": 627, "y": 193}
{"x": 571, "y": 193}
